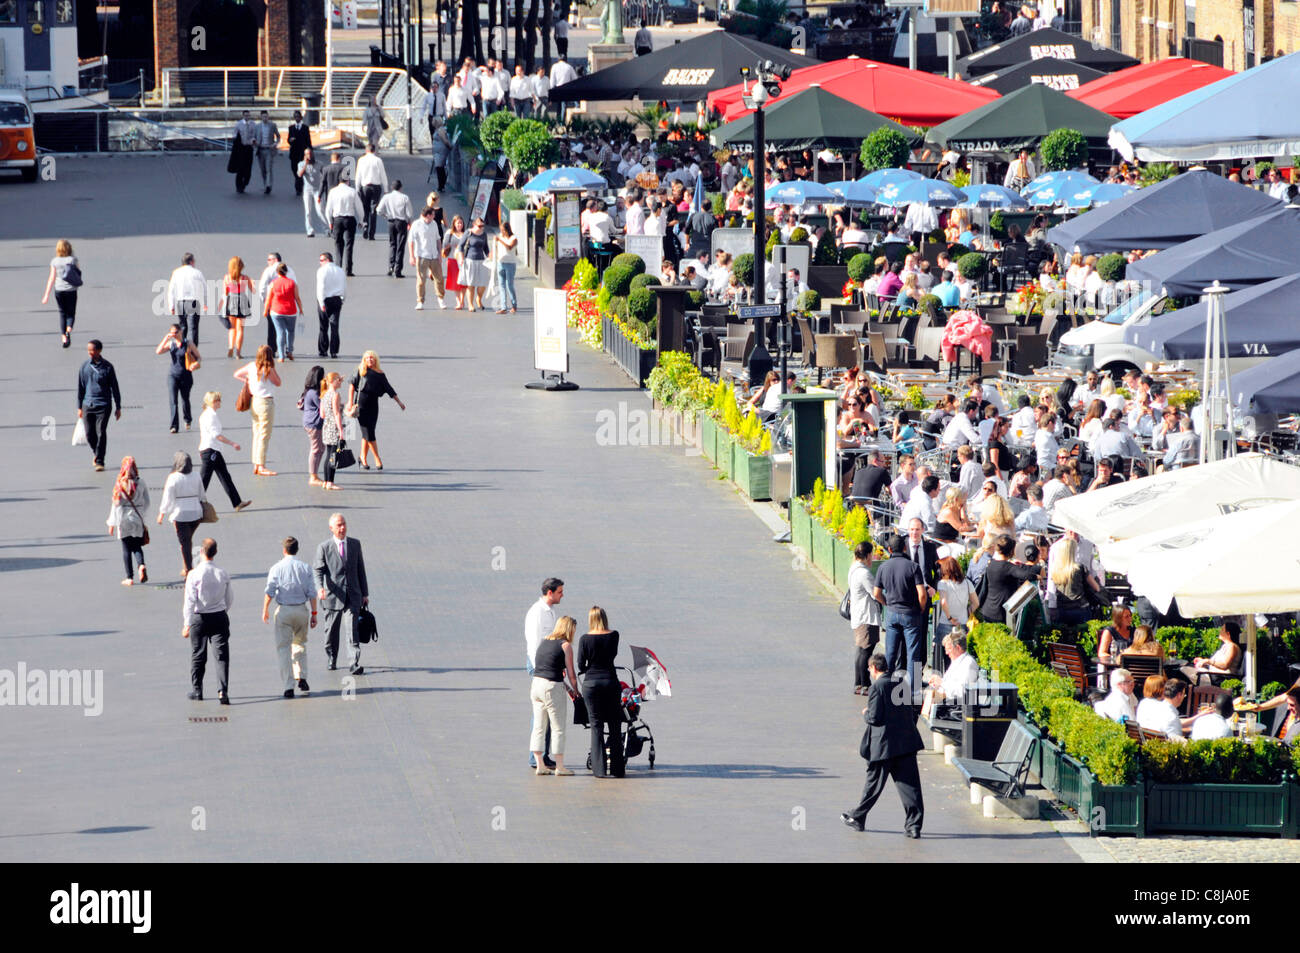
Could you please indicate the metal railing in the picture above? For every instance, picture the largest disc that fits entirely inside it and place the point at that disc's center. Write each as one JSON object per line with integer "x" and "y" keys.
{"x": 342, "y": 96}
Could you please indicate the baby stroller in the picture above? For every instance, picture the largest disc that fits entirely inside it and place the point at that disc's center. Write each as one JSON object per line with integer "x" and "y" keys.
{"x": 635, "y": 731}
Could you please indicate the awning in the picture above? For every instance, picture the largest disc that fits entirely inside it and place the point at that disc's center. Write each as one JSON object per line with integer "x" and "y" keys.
{"x": 1041, "y": 44}
{"x": 1061, "y": 75}
{"x": 1142, "y": 87}
{"x": 1020, "y": 120}
{"x": 683, "y": 72}
{"x": 811, "y": 117}
{"x": 1272, "y": 387}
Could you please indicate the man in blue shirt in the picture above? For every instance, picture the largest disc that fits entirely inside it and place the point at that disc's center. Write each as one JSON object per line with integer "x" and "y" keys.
{"x": 97, "y": 395}
{"x": 901, "y": 589}
{"x": 291, "y": 586}
{"x": 947, "y": 291}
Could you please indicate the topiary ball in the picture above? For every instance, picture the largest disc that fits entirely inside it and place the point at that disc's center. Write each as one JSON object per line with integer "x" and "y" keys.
{"x": 642, "y": 281}
{"x": 860, "y": 267}
{"x": 631, "y": 261}
{"x": 810, "y": 300}
{"x": 696, "y": 298}
{"x": 927, "y": 301}
{"x": 1112, "y": 267}
{"x": 743, "y": 268}
{"x": 798, "y": 235}
{"x": 641, "y": 303}
{"x": 618, "y": 280}
{"x": 972, "y": 266}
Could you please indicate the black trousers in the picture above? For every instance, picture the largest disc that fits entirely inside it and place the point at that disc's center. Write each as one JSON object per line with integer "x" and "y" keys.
{"x": 244, "y": 173}
{"x": 441, "y": 170}
{"x": 562, "y": 45}
{"x": 907, "y": 779}
{"x": 328, "y": 462}
{"x": 67, "y": 302}
{"x": 603, "y": 699}
{"x": 187, "y": 316}
{"x": 179, "y": 385}
{"x": 185, "y": 536}
{"x": 861, "y": 673}
{"x": 334, "y": 622}
{"x": 215, "y": 462}
{"x": 211, "y": 627}
{"x": 345, "y": 233}
{"x": 293, "y": 171}
{"x": 96, "y": 422}
{"x": 327, "y": 340}
{"x": 132, "y": 547}
{"x": 370, "y": 196}
{"x": 396, "y": 246}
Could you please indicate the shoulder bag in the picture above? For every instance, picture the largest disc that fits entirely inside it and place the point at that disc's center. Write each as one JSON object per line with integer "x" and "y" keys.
{"x": 192, "y": 363}
{"x": 244, "y": 402}
{"x": 72, "y": 274}
{"x": 209, "y": 513}
{"x": 846, "y": 611}
{"x": 145, "y": 539}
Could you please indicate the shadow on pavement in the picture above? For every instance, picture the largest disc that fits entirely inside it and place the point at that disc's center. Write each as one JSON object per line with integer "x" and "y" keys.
{"x": 742, "y": 772}
{"x": 35, "y": 562}
{"x": 63, "y": 635}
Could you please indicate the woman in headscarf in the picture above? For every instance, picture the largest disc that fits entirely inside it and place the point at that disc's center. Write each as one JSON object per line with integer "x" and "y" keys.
{"x": 130, "y": 500}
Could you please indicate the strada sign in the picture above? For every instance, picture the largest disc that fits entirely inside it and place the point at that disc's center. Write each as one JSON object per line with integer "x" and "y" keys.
{"x": 688, "y": 77}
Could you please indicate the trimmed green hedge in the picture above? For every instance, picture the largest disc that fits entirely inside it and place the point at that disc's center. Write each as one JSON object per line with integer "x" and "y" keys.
{"x": 1221, "y": 761}
{"x": 860, "y": 266}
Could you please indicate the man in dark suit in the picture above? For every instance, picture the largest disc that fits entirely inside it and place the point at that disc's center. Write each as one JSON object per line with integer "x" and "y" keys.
{"x": 889, "y": 746}
{"x": 924, "y": 553}
{"x": 299, "y": 142}
{"x": 340, "y": 572}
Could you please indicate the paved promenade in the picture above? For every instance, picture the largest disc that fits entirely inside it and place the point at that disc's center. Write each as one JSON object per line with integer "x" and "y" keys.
{"x": 487, "y": 489}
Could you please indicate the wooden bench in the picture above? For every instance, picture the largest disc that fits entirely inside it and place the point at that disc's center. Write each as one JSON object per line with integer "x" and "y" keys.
{"x": 1006, "y": 774}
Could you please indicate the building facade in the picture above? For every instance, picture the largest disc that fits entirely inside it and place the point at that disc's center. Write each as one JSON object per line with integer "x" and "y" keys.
{"x": 1235, "y": 34}
{"x": 38, "y": 46}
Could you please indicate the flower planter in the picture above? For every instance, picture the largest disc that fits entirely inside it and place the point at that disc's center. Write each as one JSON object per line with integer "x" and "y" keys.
{"x": 823, "y": 550}
{"x": 691, "y": 428}
{"x": 1222, "y": 809}
{"x": 800, "y": 526}
{"x": 636, "y": 363}
{"x": 752, "y": 473}
{"x": 725, "y": 440}
{"x": 709, "y": 438}
{"x": 1107, "y": 809}
{"x": 552, "y": 273}
{"x": 842, "y": 557}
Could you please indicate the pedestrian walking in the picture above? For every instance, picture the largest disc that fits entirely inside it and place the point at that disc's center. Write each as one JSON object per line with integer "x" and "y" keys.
{"x": 331, "y": 414}
{"x": 242, "y": 146}
{"x": 424, "y": 242}
{"x": 600, "y": 689}
{"x": 642, "y": 41}
{"x": 208, "y": 598}
{"x": 187, "y": 297}
{"x": 268, "y": 139}
{"x": 289, "y": 585}
{"x": 262, "y": 379}
{"x": 474, "y": 272}
{"x": 182, "y": 502}
{"x": 340, "y": 576}
{"x": 507, "y": 258}
{"x": 372, "y": 120}
{"x": 541, "y": 92}
{"x": 889, "y": 746}
{"x": 97, "y": 396}
{"x": 521, "y": 93}
{"x": 369, "y": 384}
{"x": 441, "y": 150}
{"x": 331, "y": 289}
{"x": 561, "y": 29}
{"x": 539, "y": 623}
{"x": 900, "y": 588}
{"x": 283, "y": 305}
{"x": 309, "y": 404}
{"x": 210, "y": 455}
{"x": 126, "y": 518}
{"x": 398, "y": 212}
{"x": 184, "y": 358}
{"x": 343, "y": 209}
{"x": 372, "y": 183}
{"x": 236, "y": 305}
{"x": 64, "y": 280}
{"x": 311, "y": 180}
{"x": 268, "y": 276}
{"x": 299, "y": 138}
{"x": 452, "y": 240}
{"x": 332, "y": 175}
{"x": 553, "y": 684}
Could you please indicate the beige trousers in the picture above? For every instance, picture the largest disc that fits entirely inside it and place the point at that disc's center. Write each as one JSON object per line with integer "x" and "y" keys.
{"x": 432, "y": 269}
{"x": 550, "y": 700}
{"x": 263, "y": 411}
{"x": 291, "y": 624}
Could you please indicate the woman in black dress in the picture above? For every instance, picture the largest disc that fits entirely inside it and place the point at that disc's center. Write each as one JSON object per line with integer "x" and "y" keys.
{"x": 369, "y": 384}
{"x": 600, "y": 689}
{"x": 1003, "y": 577}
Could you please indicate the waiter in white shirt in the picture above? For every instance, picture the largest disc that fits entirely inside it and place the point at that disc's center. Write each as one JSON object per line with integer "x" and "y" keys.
{"x": 331, "y": 289}
{"x": 208, "y": 598}
{"x": 398, "y": 212}
{"x": 372, "y": 183}
{"x": 635, "y": 214}
{"x": 187, "y": 296}
{"x": 562, "y": 73}
{"x": 961, "y": 429}
{"x": 538, "y": 624}
{"x": 343, "y": 210}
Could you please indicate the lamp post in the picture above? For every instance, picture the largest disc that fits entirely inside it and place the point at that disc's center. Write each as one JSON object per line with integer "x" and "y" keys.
{"x": 760, "y": 361}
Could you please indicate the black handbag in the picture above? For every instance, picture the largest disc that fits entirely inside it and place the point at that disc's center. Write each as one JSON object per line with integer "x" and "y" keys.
{"x": 580, "y": 716}
{"x": 846, "y": 610}
{"x": 367, "y": 629}
{"x": 343, "y": 457}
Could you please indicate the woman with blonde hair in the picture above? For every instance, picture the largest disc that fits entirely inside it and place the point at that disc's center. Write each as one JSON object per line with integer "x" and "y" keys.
{"x": 1144, "y": 643}
{"x": 950, "y": 524}
{"x": 236, "y": 304}
{"x": 1071, "y": 582}
{"x": 996, "y": 518}
{"x": 65, "y": 278}
{"x": 596, "y": 652}
{"x": 262, "y": 378}
{"x": 212, "y": 458}
{"x": 553, "y": 684}
{"x": 369, "y": 384}
{"x": 331, "y": 415}
{"x": 126, "y": 516}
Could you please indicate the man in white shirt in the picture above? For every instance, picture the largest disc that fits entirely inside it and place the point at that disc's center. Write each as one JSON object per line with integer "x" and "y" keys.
{"x": 268, "y": 137}
{"x": 971, "y": 476}
{"x": 654, "y": 223}
{"x": 921, "y": 504}
{"x": 458, "y": 100}
{"x": 435, "y": 103}
{"x": 600, "y": 227}
{"x": 1115, "y": 442}
{"x": 1276, "y": 185}
{"x": 494, "y": 95}
{"x": 635, "y": 213}
{"x": 920, "y": 218}
{"x": 1088, "y": 391}
{"x": 521, "y": 93}
{"x": 794, "y": 286}
{"x": 541, "y": 87}
{"x": 331, "y": 289}
{"x": 642, "y": 42}
{"x": 561, "y": 30}
{"x": 539, "y": 622}
{"x": 1024, "y": 424}
{"x": 561, "y": 73}
{"x": 398, "y": 212}
{"x": 372, "y": 182}
{"x": 1162, "y": 715}
{"x": 343, "y": 210}
{"x": 1214, "y": 724}
{"x": 962, "y": 670}
{"x": 1120, "y": 703}
{"x": 425, "y": 244}
{"x": 1045, "y": 443}
{"x": 208, "y": 598}
{"x": 187, "y": 297}
{"x": 961, "y": 429}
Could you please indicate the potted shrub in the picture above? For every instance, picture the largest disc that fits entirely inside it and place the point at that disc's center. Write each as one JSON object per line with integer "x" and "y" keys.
{"x": 751, "y": 458}
{"x": 1064, "y": 149}
{"x": 884, "y": 148}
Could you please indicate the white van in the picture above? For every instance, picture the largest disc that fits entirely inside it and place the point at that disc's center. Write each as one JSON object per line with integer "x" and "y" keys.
{"x": 1101, "y": 343}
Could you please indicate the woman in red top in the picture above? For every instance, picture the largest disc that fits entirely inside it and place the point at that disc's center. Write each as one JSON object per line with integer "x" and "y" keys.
{"x": 283, "y": 305}
{"x": 237, "y": 304}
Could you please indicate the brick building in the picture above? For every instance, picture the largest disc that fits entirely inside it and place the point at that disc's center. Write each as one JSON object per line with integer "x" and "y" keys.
{"x": 1235, "y": 34}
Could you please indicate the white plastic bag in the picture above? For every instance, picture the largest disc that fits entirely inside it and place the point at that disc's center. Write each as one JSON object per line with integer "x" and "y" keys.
{"x": 79, "y": 434}
{"x": 351, "y": 430}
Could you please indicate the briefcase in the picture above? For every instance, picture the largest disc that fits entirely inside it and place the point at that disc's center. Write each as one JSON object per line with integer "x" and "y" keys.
{"x": 367, "y": 630}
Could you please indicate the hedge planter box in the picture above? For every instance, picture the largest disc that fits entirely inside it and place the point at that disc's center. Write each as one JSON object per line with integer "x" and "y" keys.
{"x": 725, "y": 440}
{"x": 823, "y": 549}
{"x": 1107, "y": 809}
{"x": 800, "y": 526}
{"x": 752, "y": 473}
{"x": 636, "y": 363}
{"x": 709, "y": 438}
{"x": 1222, "y": 809}
{"x": 827, "y": 280}
{"x": 552, "y": 273}
{"x": 842, "y": 557}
